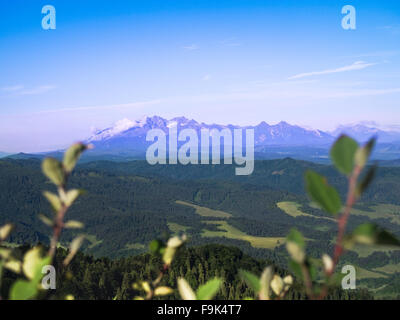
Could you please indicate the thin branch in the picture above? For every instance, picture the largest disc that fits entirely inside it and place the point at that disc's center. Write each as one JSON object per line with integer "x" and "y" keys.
{"x": 157, "y": 281}
{"x": 57, "y": 229}
{"x": 342, "y": 223}
{"x": 58, "y": 221}
{"x": 307, "y": 281}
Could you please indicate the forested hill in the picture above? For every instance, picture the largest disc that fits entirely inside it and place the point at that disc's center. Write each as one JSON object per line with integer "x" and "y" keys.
{"x": 282, "y": 174}
{"x": 101, "y": 278}
{"x": 129, "y": 204}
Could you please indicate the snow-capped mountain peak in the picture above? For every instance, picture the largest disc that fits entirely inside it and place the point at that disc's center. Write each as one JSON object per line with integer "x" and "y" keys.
{"x": 129, "y": 134}
{"x": 119, "y": 127}
{"x": 281, "y": 133}
{"x": 365, "y": 130}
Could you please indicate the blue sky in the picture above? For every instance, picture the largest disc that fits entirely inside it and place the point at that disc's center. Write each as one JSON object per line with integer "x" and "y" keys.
{"x": 215, "y": 61}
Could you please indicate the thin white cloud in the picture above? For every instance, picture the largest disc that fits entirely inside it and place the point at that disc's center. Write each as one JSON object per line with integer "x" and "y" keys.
{"x": 279, "y": 94}
{"x": 20, "y": 90}
{"x": 358, "y": 65}
{"x": 36, "y": 90}
{"x": 393, "y": 29}
{"x": 104, "y": 107}
{"x": 282, "y": 83}
{"x": 231, "y": 42}
{"x": 381, "y": 54}
{"x": 12, "y": 88}
{"x": 363, "y": 93}
{"x": 191, "y": 47}
{"x": 206, "y": 77}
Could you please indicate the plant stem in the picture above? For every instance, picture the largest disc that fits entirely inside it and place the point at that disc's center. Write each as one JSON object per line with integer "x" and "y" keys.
{"x": 342, "y": 223}
{"x": 157, "y": 281}
{"x": 307, "y": 281}
{"x": 58, "y": 226}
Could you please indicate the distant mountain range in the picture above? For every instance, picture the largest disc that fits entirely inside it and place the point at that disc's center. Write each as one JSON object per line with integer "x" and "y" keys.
{"x": 265, "y": 134}
{"x": 361, "y": 132}
{"x": 3, "y": 154}
{"x": 126, "y": 140}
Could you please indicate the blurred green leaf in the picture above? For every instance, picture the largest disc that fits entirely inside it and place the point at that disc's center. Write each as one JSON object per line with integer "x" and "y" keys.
{"x": 296, "y": 237}
{"x": 295, "y": 245}
{"x": 168, "y": 255}
{"x": 155, "y": 246}
{"x": 163, "y": 291}
{"x": 251, "y": 280}
{"x": 363, "y": 153}
{"x": 5, "y": 231}
{"x": 4, "y": 253}
{"x": 54, "y": 200}
{"x": 72, "y": 195}
{"x": 53, "y": 170}
{"x": 265, "y": 282}
{"x": 73, "y": 224}
{"x": 288, "y": 280}
{"x": 371, "y": 234}
{"x": 176, "y": 242}
{"x": 185, "y": 290}
{"x": 72, "y": 155}
{"x": 335, "y": 279}
{"x": 34, "y": 262}
{"x": 327, "y": 263}
{"x": 13, "y": 265}
{"x": 323, "y": 194}
{"x": 295, "y": 252}
{"x": 73, "y": 249}
{"x": 208, "y": 290}
{"x": 47, "y": 221}
{"x": 312, "y": 269}
{"x": 342, "y": 154}
{"x": 172, "y": 246}
{"x": 145, "y": 286}
{"x": 23, "y": 290}
{"x": 295, "y": 268}
{"x": 366, "y": 180}
{"x": 277, "y": 285}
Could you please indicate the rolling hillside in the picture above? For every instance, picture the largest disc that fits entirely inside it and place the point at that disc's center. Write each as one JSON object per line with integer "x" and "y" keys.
{"x": 129, "y": 204}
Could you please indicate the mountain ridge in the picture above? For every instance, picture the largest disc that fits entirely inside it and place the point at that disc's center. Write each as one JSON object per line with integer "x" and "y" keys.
{"x": 126, "y": 139}
{"x": 277, "y": 134}
{"x": 279, "y": 140}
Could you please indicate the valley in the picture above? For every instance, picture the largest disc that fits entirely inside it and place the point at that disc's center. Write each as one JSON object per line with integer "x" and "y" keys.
{"x": 225, "y": 230}
{"x": 130, "y": 203}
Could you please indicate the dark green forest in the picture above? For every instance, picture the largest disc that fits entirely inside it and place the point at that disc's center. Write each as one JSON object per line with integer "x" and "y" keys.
{"x": 93, "y": 278}
{"x": 128, "y": 204}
